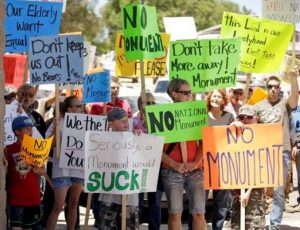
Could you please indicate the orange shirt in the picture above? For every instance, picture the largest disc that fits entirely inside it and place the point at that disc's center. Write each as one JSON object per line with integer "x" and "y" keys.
{"x": 176, "y": 155}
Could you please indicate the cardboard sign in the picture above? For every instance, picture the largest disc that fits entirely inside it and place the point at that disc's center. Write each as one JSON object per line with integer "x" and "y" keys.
{"x": 141, "y": 35}
{"x": 72, "y": 145}
{"x": 35, "y": 151}
{"x": 182, "y": 121}
{"x": 205, "y": 64}
{"x": 121, "y": 163}
{"x": 186, "y": 24}
{"x": 251, "y": 160}
{"x": 14, "y": 68}
{"x": 96, "y": 87}
{"x": 10, "y": 115}
{"x": 56, "y": 59}
{"x": 26, "y": 19}
{"x": 264, "y": 42}
{"x": 281, "y": 10}
{"x": 63, "y": 1}
{"x": 152, "y": 68}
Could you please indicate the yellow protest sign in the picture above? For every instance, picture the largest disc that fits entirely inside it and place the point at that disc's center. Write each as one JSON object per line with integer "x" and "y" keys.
{"x": 35, "y": 151}
{"x": 152, "y": 68}
{"x": 264, "y": 42}
{"x": 250, "y": 160}
{"x": 258, "y": 95}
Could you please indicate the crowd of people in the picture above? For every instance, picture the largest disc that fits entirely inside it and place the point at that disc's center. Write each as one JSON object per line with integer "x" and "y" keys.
{"x": 40, "y": 203}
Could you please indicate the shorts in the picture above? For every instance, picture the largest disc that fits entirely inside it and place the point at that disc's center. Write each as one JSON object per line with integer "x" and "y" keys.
{"x": 62, "y": 182}
{"x": 174, "y": 185}
{"x": 25, "y": 216}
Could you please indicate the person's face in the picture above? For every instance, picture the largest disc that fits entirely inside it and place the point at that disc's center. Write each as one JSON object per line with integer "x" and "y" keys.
{"x": 273, "y": 88}
{"x": 216, "y": 99}
{"x": 237, "y": 96}
{"x": 248, "y": 119}
{"x": 21, "y": 132}
{"x": 26, "y": 97}
{"x": 114, "y": 91}
{"x": 75, "y": 107}
{"x": 121, "y": 125}
{"x": 183, "y": 94}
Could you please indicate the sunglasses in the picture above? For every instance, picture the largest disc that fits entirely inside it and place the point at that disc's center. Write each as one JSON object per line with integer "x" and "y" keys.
{"x": 24, "y": 94}
{"x": 244, "y": 117}
{"x": 7, "y": 97}
{"x": 78, "y": 106}
{"x": 271, "y": 86}
{"x": 150, "y": 103}
{"x": 184, "y": 92}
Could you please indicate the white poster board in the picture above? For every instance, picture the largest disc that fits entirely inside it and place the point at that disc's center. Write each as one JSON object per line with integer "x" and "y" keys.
{"x": 121, "y": 162}
{"x": 281, "y": 10}
{"x": 186, "y": 24}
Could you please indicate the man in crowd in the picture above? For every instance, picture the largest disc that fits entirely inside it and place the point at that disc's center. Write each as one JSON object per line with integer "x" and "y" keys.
{"x": 276, "y": 109}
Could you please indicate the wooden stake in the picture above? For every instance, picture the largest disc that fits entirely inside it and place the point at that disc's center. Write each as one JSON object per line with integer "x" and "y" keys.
{"x": 247, "y": 86}
{"x": 243, "y": 211}
{"x": 87, "y": 212}
{"x": 124, "y": 205}
{"x": 57, "y": 116}
{"x": 183, "y": 151}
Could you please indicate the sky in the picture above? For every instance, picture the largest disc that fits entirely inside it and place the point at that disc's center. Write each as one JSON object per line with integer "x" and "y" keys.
{"x": 254, "y": 5}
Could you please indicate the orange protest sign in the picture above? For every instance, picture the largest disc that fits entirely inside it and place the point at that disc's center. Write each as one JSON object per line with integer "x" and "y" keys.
{"x": 251, "y": 160}
{"x": 35, "y": 151}
{"x": 258, "y": 95}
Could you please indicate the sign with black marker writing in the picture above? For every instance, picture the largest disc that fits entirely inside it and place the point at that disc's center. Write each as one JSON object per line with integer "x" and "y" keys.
{"x": 140, "y": 29}
{"x": 205, "y": 64}
{"x": 181, "y": 121}
{"x": 250, "y": 160}
{"x": 56, "y": 59}
{"x": 121, "y": 162}
{"x": 26, "y": 19}
{"x": 264, "y": 42}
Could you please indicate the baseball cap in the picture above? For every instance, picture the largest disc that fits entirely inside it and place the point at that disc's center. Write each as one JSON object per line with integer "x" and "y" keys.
{"x": 116, "y": 114}
{"x": 247, "y": 110}
{"x": 21, "y": 122}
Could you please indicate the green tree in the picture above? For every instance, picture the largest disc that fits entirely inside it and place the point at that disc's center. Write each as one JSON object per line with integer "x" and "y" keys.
{"x": 206, "y": 13}
{"x": 80, "y": 17}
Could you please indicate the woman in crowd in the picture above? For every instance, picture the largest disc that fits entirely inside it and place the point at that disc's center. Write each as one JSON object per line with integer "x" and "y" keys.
{"x": 154, "y": 198}
{"x": 64, "y": 180}
{"x": 216, "y": 102}
{"x": 178, "y": 175}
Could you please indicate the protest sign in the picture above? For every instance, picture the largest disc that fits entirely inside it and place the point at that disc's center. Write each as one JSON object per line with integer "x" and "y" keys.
{"x": 141, "y": 35}
{"x": 250, "y": 160}
{"x": 205, "y": 64}
{"x": 281, "y": 10}
{"x": 258, "y": 95}
{"x": 10, "y": 114}
{"x": 96, "y": 87}
{"x": 186, "y": 24}
{"x": 264, "y": 42}
{"x": 26, "y": 19}
{"x": 14, "y": 68}
{"x": 35, "y": 151}
{"x": 63, "y": 1}
{"x": 152, "y": 68}
{"x": 72, "y": 145}
{"x": 56, "y": 59}
{"x": 121, "y": 162}
{"x": 182, "y": 121}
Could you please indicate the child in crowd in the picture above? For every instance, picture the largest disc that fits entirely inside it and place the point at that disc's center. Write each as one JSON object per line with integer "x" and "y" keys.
{"x": 110, "y": 214}
{"x": 23, "y": 189}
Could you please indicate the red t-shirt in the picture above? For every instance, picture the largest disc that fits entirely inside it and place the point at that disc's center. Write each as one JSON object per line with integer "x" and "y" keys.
{"x": 97, "y": 108}
{"x": 22, "y": 190}
{"x": 175, "y": 154}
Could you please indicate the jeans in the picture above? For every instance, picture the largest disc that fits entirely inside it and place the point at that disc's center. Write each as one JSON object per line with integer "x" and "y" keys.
{"x": 154, "y": 210}
{"x": 279, "y": 195}
{"x": 222, "y": 204}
